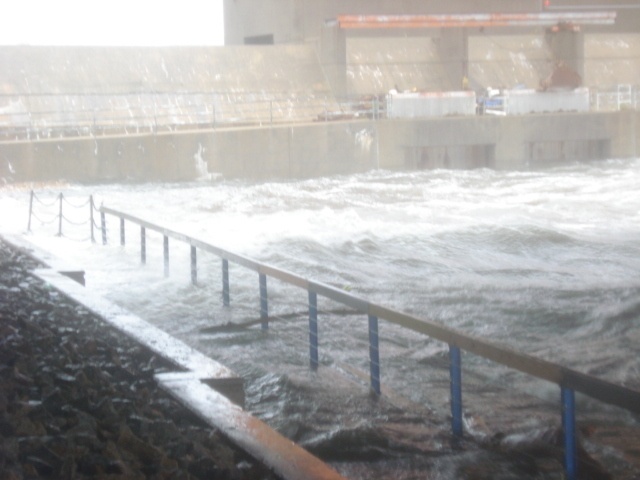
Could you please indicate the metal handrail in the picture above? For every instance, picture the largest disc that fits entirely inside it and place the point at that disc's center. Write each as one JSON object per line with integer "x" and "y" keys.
{"x": 592, "y": 386}
{"x": 201, "y": 108}
{"x": 147, "y": 119}
{"x": 569, "y": 380}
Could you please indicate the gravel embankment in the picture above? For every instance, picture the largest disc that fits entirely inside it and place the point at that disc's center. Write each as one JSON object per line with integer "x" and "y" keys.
{"x": 78, "y": 399}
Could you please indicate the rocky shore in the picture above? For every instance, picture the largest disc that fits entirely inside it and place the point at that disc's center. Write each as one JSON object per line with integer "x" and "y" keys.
{"x": 78, "y": 399}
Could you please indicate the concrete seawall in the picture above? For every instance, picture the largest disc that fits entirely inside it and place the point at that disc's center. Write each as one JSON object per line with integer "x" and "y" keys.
{"x": 328, "y": 148}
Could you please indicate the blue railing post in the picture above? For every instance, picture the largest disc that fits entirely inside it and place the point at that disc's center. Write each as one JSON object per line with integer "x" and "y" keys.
{"x": 122, "y": 231}
{"x": 313, "y": 330}
{"x": 264, "y": 304}
{"x": 569, "y": 429}
{"x": 194, "y": 265}
{"x": 374, "y": 354}
{"x": 103, "y": 227}
{"x": 165, "y": 249}
{"x": 143, "y": 245}
{"x": 226, "y": 300}
{"x": 455, "y": 370}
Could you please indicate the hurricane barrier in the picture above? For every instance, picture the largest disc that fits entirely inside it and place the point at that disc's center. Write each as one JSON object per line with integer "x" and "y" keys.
{"x": 570, "y": 381}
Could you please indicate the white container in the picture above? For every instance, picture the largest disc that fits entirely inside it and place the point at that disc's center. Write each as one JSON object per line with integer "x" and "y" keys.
{"x": 520, "y": 102}
{"x": 430, "y": 104}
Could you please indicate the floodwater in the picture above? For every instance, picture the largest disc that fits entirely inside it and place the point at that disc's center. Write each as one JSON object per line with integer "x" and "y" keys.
{"x": 546, "y": 262}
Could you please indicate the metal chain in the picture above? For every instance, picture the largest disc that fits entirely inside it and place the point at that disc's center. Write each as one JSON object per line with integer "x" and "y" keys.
{"x": 46, "y": 204}
{"x": 84, "y": 222}
{"x": 45, "y": 222}
{"x": 74, "y": 205}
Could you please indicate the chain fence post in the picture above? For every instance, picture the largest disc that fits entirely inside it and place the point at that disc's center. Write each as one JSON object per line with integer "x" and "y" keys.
{"x": 60, "y": 216}
{"x": 30, "y": 210}
{"x": 143, "y": 245}
{"x": 103, "y": 227}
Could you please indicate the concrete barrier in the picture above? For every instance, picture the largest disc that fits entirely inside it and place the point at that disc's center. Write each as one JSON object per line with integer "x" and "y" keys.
{"x": 329, "y": 148}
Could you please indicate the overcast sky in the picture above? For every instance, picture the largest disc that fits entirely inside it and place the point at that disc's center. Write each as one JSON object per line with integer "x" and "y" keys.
{"x": 112, "y": 22}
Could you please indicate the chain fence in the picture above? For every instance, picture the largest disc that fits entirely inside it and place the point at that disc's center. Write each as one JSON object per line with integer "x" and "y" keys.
{"x": 45, "y": 212}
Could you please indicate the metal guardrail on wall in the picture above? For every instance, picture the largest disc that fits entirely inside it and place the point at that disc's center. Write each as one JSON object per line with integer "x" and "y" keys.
{"x": 569, "y": 380}
{"x": 47, "y": 116}
{"x": 615, "y": 98}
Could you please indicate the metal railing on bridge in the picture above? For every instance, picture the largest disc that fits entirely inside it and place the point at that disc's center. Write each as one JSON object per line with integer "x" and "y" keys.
{"x": 569, "y": 380}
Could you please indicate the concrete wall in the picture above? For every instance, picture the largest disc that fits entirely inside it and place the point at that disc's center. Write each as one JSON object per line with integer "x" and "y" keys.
{"x": 257, "y": 153}
{"x": 126, "y": 158}
{"x": 301, "y": 20}
{"x": 517, "y": 142}
{"x": 309, "y": 150}
{"x": 330, "y": 148}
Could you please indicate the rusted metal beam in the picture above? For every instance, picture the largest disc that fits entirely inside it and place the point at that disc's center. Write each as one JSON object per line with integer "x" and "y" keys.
{"x": 545, "y": 19}
{"x": 288, "y": 460}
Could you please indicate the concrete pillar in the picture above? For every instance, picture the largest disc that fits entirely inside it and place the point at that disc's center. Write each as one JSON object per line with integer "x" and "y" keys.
{"x": 626, "y": 136}
{"x": 333, "y": 57}
{"x": 453, "y": 48}
{"x": 567, "y": 46}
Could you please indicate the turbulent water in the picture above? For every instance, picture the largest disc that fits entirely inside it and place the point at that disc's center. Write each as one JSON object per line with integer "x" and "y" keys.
{"x": 547, "y": 262}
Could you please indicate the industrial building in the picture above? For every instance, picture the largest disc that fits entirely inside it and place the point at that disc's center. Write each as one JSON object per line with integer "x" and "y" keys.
{"x": 306, "y": 88}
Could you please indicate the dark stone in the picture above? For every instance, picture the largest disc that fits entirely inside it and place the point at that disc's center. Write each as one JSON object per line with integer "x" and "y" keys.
{"x": 48, "y": 457}
{"x": 6, "y": 426}
{"x": 93, "y": 464}
{"x": 85, "y": 424}
{"x": 164, "y": 431}
{"x": 41, "y": 467}
{"x": 54, "y": 401}
{"x": 69, "y": 385}
{"x": 105, "y": 411}
{"x": 147, "y": 453}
